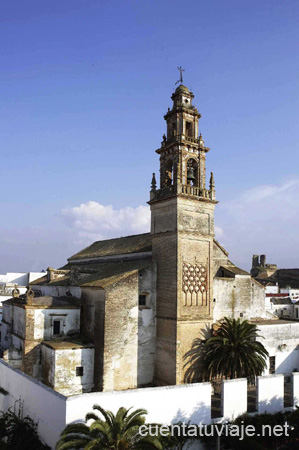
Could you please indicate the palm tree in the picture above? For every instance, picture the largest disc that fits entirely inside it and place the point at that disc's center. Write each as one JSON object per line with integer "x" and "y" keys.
{"x": 233, "y": 352}
{"x": 115, "y": 432}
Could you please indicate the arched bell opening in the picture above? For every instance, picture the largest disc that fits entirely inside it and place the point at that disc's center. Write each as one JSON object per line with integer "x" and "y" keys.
{"x": 168, "y": 181}
{"x": 192, "y": 172}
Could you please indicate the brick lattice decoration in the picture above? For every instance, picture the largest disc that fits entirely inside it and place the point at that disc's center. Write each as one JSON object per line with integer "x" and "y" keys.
{"x": 194, "y": 280}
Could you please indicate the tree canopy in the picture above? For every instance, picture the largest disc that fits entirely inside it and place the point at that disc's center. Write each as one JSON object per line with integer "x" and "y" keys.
{"x": 232, "y": 352}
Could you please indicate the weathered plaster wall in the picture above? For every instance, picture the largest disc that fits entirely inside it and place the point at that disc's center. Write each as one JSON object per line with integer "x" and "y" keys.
{"x": 236, "y": 296}
{"x": 48, "y": 365}
{"x": 43, "y": 321}
{"x": 93, "y": 326}
{"x": 18, "y": 323}
{"x": 121, "y": 334}
{"x": 59, "y": 369}
{"x": 66, "y": 361}
{"x": 220, "y": 258}
{"x": 147, "y": 327}
{"x": 6, "y": 312}
{"x": 58, "y": 291}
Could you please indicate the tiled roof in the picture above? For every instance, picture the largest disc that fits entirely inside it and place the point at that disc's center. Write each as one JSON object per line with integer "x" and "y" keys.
{"x": 284, "y": 277}
{"x": 63, "y": 302}
{"x": 120, "y": 246}
{"x": 281, "y": 301}
{"x": 277, "y": 295}
{"x": 234, "y": 269}
{"x": 69, "y": 343}
{"x": 97, "y": 274}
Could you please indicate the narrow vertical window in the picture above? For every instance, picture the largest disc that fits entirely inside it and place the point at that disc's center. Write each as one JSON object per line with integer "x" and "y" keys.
{"x": 271, "y": 365}
{"x": 189, "y": 129}
{"x": 56, "y": 327}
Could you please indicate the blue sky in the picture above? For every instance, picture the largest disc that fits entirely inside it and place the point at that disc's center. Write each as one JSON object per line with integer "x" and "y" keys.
{"x": 84, "y": 87}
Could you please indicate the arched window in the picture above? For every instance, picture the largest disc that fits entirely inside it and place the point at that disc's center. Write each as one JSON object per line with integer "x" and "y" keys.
{"x": 192, "y": 172}
{"x": 168, "y": 173}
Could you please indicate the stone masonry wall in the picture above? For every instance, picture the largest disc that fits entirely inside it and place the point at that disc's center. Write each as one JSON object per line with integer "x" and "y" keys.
{"x": 183, "y": 232}
{"x": 121, "y": 334}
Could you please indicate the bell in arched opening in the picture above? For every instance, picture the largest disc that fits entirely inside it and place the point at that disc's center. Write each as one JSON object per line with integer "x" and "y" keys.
{"x": 191, "y": 172}
{"x": 190, "y": 175}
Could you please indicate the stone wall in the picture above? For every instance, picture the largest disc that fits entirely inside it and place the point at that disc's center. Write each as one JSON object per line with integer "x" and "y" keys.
{"x": 93, "y": 326}
{"x": 220, "y": 257}
{"x": 121, "y": 334}
{"x": 238, "y": 297}
{"x": 147, "y": 327}
{"x": 59, "y": 369}
{"x": 183, "y": 232}
{"x": 164, "y": 250}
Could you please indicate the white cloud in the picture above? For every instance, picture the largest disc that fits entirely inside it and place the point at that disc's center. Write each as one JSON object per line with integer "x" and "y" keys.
{"x": 94, "y": 221}
{"x": 218, "y": 232}
{"x": 263, "y": 219}
{"x": 262, "y": 192}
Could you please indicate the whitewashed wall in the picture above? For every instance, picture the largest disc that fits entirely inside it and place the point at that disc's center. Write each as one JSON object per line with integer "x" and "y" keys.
{"x": 58, "y": 291}
{"x": 20, "y": 278}
{"x": 233, "y": 398}
{"x": 236, "y": 296}
{"x": 295, "y": 388}
{"x": 166, "y": 405}
{"x": 270, "y": 394}
{"x": 281, "y": 340}
{"x": 42, "y": 404}
{"x": 43, "y": 325}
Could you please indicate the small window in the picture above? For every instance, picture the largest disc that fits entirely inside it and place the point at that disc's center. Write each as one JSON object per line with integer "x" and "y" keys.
{"x": 241, "y": 314}
{"x": 189, "y": 129}
{"x": 142, "y": 300}
{"x": 56, "y": 327}
{"x": 79, "y": 371}
{"x": 271, "y": 365}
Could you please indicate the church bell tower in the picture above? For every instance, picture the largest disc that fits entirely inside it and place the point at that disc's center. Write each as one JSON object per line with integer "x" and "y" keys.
{"x": 182, "y": 227}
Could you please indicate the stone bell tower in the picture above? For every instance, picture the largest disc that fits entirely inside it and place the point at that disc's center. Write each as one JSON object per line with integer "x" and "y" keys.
{"x": 182, "y": 227}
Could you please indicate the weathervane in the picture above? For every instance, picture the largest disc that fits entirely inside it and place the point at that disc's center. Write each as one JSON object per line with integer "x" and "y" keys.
{"x": 181, "y": 75}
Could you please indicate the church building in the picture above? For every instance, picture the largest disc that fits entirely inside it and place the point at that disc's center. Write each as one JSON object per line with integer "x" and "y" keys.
{"x": 123, "y": 313}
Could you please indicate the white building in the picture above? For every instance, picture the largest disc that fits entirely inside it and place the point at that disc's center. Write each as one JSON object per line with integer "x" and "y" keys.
{"x": 10, "y": 280}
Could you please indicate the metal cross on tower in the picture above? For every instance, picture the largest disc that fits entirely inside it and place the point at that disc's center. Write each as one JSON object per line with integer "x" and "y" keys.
{"x": 181, "y": 75}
